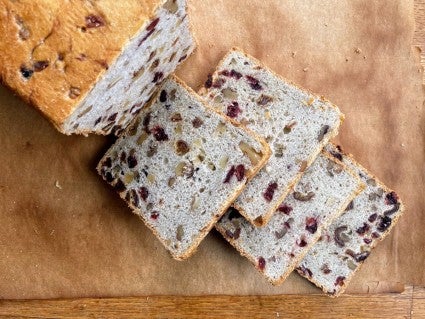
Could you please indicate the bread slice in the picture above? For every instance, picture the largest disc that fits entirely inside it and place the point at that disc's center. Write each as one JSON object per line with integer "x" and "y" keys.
{"x": 276, "y": 249}
{"x": 296, "y": 123}
{"x": 180, "y": 165}
{"x": 345, "y": 245}
{"x": 90, "y": 66}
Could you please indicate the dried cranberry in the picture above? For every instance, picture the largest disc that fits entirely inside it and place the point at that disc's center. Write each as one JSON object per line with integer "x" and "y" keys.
{"x": 269, "y": 193}
{"x": 367, "y": 241}
{"x": 337, "y": 154}
{"x": 209, "y": 82}
{"x": 218, "y": 83}
{"x": 391, "y": 198}
{"x": 339, "y": 281}
{"x": 233, "y": 110}
{"x": 375, "y": 235}
{"x": 152, "y": 25}
{"x": 362, "y": 230}
{"x": 163, "y": 96}
{"x": 240, "y": 172}
{"x": 261, "y": 263}
{"x": 157, "y": 77}
{"x": 40, "y": 65}
{"x": 362, "y": 256}
{"x": 384, "y": 224}
{"x": 283, "y": 208}
{"x": 325, "y": 269}
{"x": 134, "y": 198}
{"x": 235, "y": 74}
{"x": 302, "y": 242}
{"x": 304, "y": 271}
{"x": 372, "y": 217}
{"x": 132, "y": 161}
{"x": 392, "y": 210}
{"x": 146, "y": 37}
{"x": 233, "y": 235}
{"x": 224, "y": 72}
{"x": 154, "y": 215}
{"x": 254, "y": 83}
{"x": 233, "y": 213}
{"x": 26, "y": 73}
{"x": 229, "y": 175}
{"x": 159, "y": 134}
{"x": 94, "y": 21}
{"x": 311, "y": 225}
{"x": 119, "y": 186}
{"x": 144, "y": 193}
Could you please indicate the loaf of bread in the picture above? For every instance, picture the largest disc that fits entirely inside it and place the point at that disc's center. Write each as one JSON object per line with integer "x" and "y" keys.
{"x": 180, "y": 165}
{"x": 296, "y": 123}
{"x": 346, "y": 244}
{"x": 90, "y": 66}
{"x": 276, "y": 249}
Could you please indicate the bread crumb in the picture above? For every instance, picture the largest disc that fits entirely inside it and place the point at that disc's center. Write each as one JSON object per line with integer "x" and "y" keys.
{"x": 294, "y": 54}
{"x": 358, "y": 51}
{"x": 52, "y": 232}
{"x": 305, "y": 69}
{"x": 57, "y": 185}
{"x": 403, "y": 145}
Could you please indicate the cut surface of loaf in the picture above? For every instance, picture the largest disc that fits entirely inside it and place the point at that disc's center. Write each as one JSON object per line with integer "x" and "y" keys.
{"x": 90, "y": 66}
{"x": 276, "y": 249}
{"x": 348, "y": 241}
{"x": 296, "y": 123}
{"x": 180, "y": 165}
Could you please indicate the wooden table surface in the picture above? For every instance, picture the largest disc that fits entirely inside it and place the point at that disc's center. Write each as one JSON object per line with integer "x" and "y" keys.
{"x": 409, "y": 304}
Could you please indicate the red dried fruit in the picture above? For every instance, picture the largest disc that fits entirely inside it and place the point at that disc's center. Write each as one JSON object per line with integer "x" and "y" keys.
{"x": 157, "y": 77}
{"x": 154, "y": 215}
{"x": 26, "y": 73}
{"x": 367, "y": 241}
{"x": 132, "y": 161}
{"x": 384, "y": 224}
{"x": 301, "y": 242}
{"x": 163, "y": 96}
{"x": 375, "y": 235}
{"x": 218, "y": 83}
{"x": 146, "y": 37}
{"x": 197, "y": 122}
{"x": 304, "y": 271}
{"x": 94, "y": 21}
{"x": 230, "y": 174}
{"x": 224, "y": 72}
{"x": 325, "y": 269}
{"x": 134, "y": 198}
{"x": 40, "y": 65}
{"x": 392, "y": 210}
{"x": 119, "y": 186}
{"x": 152, "y": 25}
{"x": 233, "y": 235}
{"x": 283, "y": 208}
{"x": 311, "y": 225}
{"x": 372, "y": 217}
{"x": 233, "y": 110}
{"x": 235, "y": 74}
{"x": 144, "y": 193}
{"x": 240, "y": 172}
{"x": 254, "y": 83}
{"x": 362, "y": 230}
{"x": 261, "y": 263}
{"x": 209, "y": 81}
{"x": 269, "y": 193}
{"x": 357, "y": 257}
{"x": 391, "y": 198}
{"x": 340, "y": 281}
{"x": 159, "y": 134}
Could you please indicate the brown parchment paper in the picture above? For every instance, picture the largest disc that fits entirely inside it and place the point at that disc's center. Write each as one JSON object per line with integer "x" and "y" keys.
{"x": 64, "y": 233}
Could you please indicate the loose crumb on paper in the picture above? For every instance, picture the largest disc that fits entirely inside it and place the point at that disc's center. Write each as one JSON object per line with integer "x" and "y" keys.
{"x": 57, "y": 185}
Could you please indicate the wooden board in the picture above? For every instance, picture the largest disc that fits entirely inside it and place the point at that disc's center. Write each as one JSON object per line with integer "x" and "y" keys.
{"x": 409, "y": 304}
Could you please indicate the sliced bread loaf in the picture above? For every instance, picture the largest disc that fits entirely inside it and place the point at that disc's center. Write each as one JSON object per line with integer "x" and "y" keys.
{"x": 89, "y": 66}
{"x": 296, "y": 123}
{"x": 344, "y": 246}
{"x": 180, "y": 165}
{"x": 276, "y": 249}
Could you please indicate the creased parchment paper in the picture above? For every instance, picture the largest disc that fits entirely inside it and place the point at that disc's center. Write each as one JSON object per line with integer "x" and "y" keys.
{"x": 65, "y": 233}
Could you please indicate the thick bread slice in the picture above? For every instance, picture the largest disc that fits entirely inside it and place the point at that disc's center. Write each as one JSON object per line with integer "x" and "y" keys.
{"x": 344, "y": 246}
{"x": 180, "y": 165}
{"x": 90, "y": 66}
{"x": 276, "y": 249}
{"x": 296, "y": 123}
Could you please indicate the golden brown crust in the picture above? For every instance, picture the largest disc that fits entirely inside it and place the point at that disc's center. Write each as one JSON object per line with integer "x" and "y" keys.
{"x": 78, "y": 40}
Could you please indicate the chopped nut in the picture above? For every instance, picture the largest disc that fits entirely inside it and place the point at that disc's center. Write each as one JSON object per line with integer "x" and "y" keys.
{"x": 184, "y": 169}
{"x": 340, "y": 237}
{"x": 303, "y": 197}
{"x": 57, "y": 185}
{"x": 288, "y": 128}
{"x": 180, "y": 233}
{"x": 181, "y": 147}
{"x": 128, "y": 178}
{"x": 176, "y": 117}
{"x": 151, "y": 178}
{"x": 142, "y": 138}
{"x": 252, "y": 154}
{"x": 264, "y": 100}
{"x": 194, "y": 205}
{"x": 229, "y": 94}
{"x": 223, "y": 162}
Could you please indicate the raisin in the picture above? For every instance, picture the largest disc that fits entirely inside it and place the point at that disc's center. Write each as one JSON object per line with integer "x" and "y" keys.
{"x": 152, "y": 25}
{"x": 240, "y": 172}
{"x": 40, "y": 65}
{"x": 181, "y": 147}
{"x": 384, "y": 224}
{"x": 233, "y": 110}
{"x": 304, "y": 271}
{"x": 157, "y": 77}
{"x": 119, "y": 186}
{"x": 132, "y": 161}
{"x": 163, "y": 96}
{"x": 311, "y": 225}
{"x": 233, "y": 213}
{"x": 230, "y": 174}
{"x": 209, "y": 81}
{"x": 144, "y": 193}
{"x": 94, "y": 21}
{"x": 269, "y": 193}
{"x": 337, "y": 155}
{"x": 391, "y": 198}
{"x": 286, "y": 209}
{"x": 159, "y": 134}
{"x": 146, "y": 37}
{"x": 197, "y": 122}
{"x": 362, "y": 230}
{"x": 113, "y": 117}
{"x": 339, "y": 281}
{"x": 373, "y": 217}
{"x": 26, "y": 73}
{"x": 154, "y": 215}
{"x": 323, "y": 131}
{"x": 233, "y": 235}
{"x": 254, "y": 83}
{"x": 261, "y": 263}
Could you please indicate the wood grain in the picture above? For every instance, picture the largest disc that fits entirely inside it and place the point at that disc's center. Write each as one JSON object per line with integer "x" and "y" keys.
{"x": 409, "y": 304}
